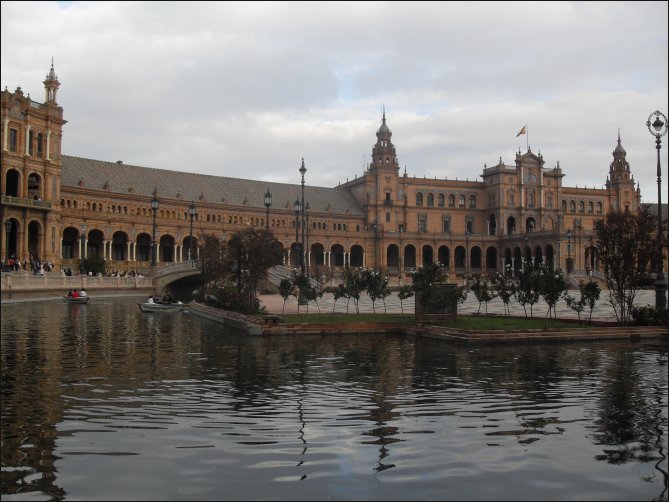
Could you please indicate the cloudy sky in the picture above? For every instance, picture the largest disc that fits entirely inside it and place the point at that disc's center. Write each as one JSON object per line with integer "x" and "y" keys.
{"x": 246, "y": 89}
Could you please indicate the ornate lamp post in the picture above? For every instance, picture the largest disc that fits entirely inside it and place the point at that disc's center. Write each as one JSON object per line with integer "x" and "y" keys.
{"x": 268, "y": 202}
{"x": 467, "y": 259}
{"x": 154, "y": 208}
{"x": 658, "y": 128}
{"x": 8, "y": 229}
{"x": 297, "y": 207}
{"x": 191, "y": 213}
{"x": 569, "y": 234}
{"x": 526, "y": 240}
{"x": 82, "y": 247}
{"x": 306, "y": 245}
{"x": 302, "y": 171}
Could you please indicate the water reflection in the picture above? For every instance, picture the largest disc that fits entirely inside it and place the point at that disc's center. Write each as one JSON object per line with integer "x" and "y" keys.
{"x": 100, "y": 401}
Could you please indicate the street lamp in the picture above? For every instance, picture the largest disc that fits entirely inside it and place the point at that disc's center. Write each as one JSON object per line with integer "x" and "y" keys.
{"x": 191, "y": 213}
{"x": 569, "y": 234}
{"x": 268, "y": 203}
{"x": 306, "y": 246}
{"x": 154, "y": 208}
{"x": 8, "y": 229}
{"x": 659, "y": 129}
{"x": 467, "y": 259}
{"x": 526, "y": 239}
{"x": 82, "y": 248}
{"x": 302, "y": 171}
{"x": 297, "y": 207}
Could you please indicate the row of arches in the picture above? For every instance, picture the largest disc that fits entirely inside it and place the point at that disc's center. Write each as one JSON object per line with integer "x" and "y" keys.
{"x": 428, "y": 200}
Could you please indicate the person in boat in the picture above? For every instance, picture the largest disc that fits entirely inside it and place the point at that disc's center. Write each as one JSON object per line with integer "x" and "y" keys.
{"x": 83, "y": 293}
{"x": 75, "y": 293}
{"x": 168, "y": 298}
{"x": 150, "y": 300}
{"x": 69, "y": 294}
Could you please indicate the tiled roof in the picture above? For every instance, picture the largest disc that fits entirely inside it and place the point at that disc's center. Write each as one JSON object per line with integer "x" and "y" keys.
{"x": 120, "y": 178}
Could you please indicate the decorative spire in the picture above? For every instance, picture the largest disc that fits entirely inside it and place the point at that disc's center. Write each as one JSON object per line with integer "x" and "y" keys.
{"x": 51, "y": 85}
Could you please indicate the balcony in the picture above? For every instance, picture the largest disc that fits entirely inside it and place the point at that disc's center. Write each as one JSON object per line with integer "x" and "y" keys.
{"x": 8, "y": 200}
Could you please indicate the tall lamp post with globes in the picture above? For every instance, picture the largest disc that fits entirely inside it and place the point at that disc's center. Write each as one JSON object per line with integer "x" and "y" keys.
{"x": 467, "y": 259}
{"x": 268, "y": 202}
{"x": 297, "y": 207}
{"x": 569, "y": 234}
{"x": 658, "y": 128}
{"x": 154, "y": 208}
{"x": 302, "y": 250}
{"x": 191, "y": 213}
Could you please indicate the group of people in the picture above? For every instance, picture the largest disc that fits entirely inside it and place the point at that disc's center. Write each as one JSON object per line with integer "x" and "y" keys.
{"x": 77, "y": 293}
{"x": 168, "y": 298}
{"x": 37, "y": 266}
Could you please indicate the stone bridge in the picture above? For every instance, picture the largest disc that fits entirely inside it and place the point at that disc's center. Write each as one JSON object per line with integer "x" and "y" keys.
{"x": 167, "y": 274}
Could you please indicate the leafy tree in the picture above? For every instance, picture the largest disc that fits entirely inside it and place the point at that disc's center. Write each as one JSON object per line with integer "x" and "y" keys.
{"x": 354, "y": 285}
{"x": 376, "y": 285}
{"x": 590, "y": 292}
{"x": 527, "y": 292}
{"x": 406, "y": 291}
{"x": 505, "y": 288}
{"x": 625, "y": 244}
{"x": 338, "y": 292}
{"x": 483, "y": 291}
{"x": 551, "y": 285}
{"x": 285, "y": 289}
{"x": 577, "y": 305}
{"x": 425, "y": 279}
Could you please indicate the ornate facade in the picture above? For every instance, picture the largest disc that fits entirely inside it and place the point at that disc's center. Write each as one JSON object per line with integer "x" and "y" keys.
{"x": 65, "y": 208}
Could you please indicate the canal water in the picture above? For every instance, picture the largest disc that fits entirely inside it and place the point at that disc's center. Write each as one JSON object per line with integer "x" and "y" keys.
{"x": 103, "y": 402}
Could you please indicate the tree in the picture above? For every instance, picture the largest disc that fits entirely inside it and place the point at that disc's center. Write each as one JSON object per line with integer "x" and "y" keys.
{"x": 406, "y": 291}
{"x": 551, "y": 285}
{"x": 527, "y": 292}
{"x": 483, "y": 291}
{"x": 577, "y": 305}
{"x": 354, "y": 285}
{"x": 424, "y": 280}
{"x": 504, "y": 287}
{"x": 376, "y": 285}
{"x": 285, "y": 289}
{"x": 625, "y": 244}
{"x": 590, "y": 292}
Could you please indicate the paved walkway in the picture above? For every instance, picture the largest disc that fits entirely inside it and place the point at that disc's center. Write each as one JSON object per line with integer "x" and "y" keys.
{"x": 603, "y": 311}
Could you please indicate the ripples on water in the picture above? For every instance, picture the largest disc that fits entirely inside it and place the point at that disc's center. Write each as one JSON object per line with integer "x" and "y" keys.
{"x": 103, "y": 402}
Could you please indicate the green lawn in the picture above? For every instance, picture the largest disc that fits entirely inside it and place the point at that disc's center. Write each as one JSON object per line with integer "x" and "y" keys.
{"x": 471, "y": 323}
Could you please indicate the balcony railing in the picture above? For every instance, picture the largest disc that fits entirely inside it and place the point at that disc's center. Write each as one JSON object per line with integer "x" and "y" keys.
{"x": 8, "y": 200}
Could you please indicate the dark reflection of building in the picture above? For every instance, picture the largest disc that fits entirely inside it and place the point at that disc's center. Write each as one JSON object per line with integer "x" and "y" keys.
{"x": 44, "y": 358}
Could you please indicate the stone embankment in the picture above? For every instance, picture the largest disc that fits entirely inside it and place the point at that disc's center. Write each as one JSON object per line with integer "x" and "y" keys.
{"x": 24, "y": 286}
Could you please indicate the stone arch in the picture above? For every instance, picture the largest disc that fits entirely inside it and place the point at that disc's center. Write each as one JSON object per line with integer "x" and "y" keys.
{"x": 34, "y": 186}
{"x": 475, "y": 255}
{"x": 538, "y": 255}
{"x": 317, "y": 254}
{"x": 550, "y": 255}
{"x": 119, "y": 246}
{"x": 510, "y": 225}
{"x": 94, "y": 242}
{"x": 409, "y": 256}
{"x": 143, "y": 247}
{"x": 166, "y": 251}
{"x": 337, "y": 256}
{"x": 393, "y": 256}
{"x": 70, "y": 243}
{"x": 428, "y": 255}
{"x": 530, "y": 224}
{"x": 356, "y": 258}
{"x": 444, "y": 256}
{"x": 491, "y": 259}
{"x": 12, "y": 182}
{"x": 460, "y": 259}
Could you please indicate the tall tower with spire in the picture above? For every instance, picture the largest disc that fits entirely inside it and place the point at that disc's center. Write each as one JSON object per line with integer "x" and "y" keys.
{"x": 384, "y": 157}
{"x": 623, "y": 195}
{"x": 51, "y": 86}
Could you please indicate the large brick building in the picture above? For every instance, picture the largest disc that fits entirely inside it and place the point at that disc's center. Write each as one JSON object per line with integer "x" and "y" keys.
{"x": 64, "y": 208}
